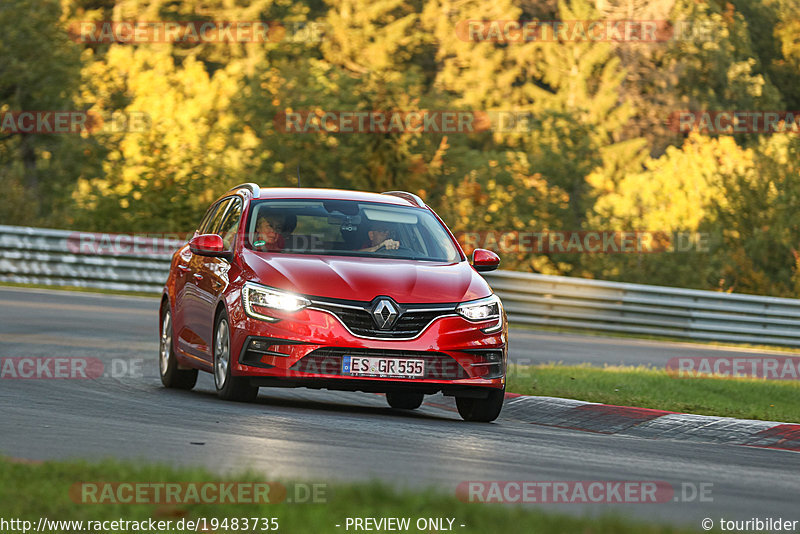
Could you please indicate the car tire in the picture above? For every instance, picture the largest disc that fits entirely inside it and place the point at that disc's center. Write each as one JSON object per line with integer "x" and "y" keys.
{"x": 229, "y": 387}
{"x": 481, "y": 410}
{"x": 404, "y": 400}
{"x": 171, "y": 376}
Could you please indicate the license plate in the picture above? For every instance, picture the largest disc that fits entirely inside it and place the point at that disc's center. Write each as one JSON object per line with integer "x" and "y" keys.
{"x": 390, "y": 367}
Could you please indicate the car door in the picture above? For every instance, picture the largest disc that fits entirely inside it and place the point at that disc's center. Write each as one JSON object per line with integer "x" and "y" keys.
{"x": 191, "y": 303}
{"x": 214, "y": 273}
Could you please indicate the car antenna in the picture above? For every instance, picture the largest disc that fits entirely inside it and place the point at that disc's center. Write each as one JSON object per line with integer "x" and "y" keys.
{"x": 298, "y": 175}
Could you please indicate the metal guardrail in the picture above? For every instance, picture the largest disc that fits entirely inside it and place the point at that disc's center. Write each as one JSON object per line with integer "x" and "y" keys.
{"x": 113, "y": 261}
{"x": 84, "y": 259}
{"x": 544, "y": 300}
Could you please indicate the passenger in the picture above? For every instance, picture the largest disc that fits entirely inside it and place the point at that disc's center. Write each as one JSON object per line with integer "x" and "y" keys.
{"x": 270, "y": 230}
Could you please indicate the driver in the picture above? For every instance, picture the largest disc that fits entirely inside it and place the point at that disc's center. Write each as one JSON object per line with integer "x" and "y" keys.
{"x": 379, "y": 237}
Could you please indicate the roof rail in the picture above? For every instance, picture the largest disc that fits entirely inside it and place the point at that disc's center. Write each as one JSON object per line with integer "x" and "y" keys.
{"x": 411, "y": 197}
{"x": 252, "y": 187}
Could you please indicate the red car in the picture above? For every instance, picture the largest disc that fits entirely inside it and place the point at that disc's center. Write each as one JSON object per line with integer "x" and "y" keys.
{"x": 333, "y": 289}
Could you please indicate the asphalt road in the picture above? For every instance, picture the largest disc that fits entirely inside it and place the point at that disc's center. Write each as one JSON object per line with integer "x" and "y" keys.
{"x": 326, "y": 436}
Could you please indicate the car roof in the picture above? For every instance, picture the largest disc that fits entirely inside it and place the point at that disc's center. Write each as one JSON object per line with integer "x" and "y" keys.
{"x": 332, "y": 194}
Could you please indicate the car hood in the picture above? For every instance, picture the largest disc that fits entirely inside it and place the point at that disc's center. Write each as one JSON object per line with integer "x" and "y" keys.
{"x": 406, "y": 281}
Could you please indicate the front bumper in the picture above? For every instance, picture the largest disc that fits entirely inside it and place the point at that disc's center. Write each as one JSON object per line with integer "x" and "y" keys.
{"x": 305, "y": 349}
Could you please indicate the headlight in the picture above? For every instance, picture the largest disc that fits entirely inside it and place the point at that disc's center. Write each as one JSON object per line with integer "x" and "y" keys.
{"x": 483, "y": 310}
{"x": 256, "y": 297}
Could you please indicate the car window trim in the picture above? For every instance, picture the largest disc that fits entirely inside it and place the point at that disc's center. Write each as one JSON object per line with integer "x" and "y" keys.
{"x": 210, "y": 212}
{"x": 227, "y": 213}
{"x": 459, "y": 253}
{"x": 224, "y": 214}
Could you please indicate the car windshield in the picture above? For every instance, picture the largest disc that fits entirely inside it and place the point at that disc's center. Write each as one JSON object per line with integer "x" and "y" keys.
{"x": 348, "y": 228}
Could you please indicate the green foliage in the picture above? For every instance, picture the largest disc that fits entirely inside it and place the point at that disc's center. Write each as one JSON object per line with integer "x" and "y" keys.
{"x": 40, "y": 71}
{"x": 598, "y": 153}
{"x": 760, "y": 223}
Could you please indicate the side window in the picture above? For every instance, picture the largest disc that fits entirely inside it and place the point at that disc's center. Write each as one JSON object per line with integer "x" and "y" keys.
{"x": 203, "y": 227}
{"x": 230, "y": 224}
{"x": 214, "y": 223}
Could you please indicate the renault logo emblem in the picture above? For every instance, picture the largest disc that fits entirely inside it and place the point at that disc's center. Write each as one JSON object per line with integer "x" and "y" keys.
{"x": 384, "y": 313}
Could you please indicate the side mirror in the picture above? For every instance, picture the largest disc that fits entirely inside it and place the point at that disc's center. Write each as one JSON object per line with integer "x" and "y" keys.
{"x": 209, "y": 245}
{"x": 485, "y": 260}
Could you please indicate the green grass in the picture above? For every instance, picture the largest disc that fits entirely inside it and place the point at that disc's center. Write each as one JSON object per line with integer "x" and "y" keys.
{"x": 644, "y": 387}
{"x": 29, "y": 491}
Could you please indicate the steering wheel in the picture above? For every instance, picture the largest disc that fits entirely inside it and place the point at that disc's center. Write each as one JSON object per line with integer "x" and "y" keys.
{"x": 397, "y": 250}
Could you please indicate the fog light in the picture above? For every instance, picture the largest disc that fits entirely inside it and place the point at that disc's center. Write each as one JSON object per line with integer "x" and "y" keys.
{"x": 268, "y": 346}
{"x": 488, "y": 364}
{"x": 258, "y": 345}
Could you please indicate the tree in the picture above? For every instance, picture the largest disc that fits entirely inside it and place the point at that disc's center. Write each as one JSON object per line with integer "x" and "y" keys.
{"x": 759, "y": 221}
{"x": 681, "y": 192}
{"x": 39, "y": 71}
{"x": 162, "y": 177}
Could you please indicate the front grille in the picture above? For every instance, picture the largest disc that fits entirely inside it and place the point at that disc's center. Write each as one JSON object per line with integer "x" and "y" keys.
{"x": 358, "y": 319}
{"x": 329, "y": 361}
